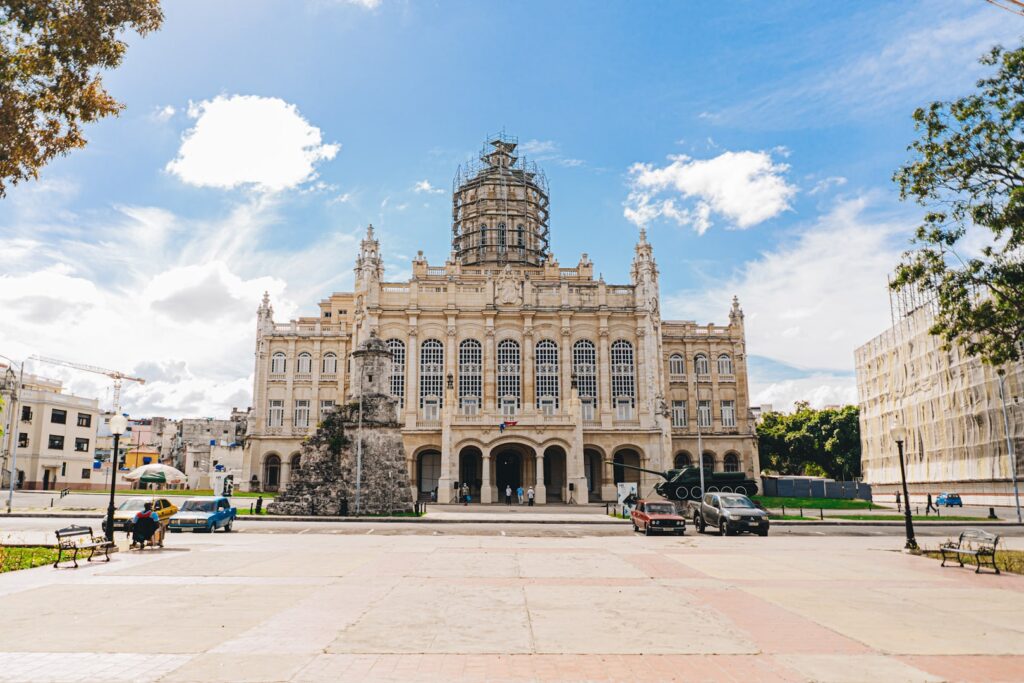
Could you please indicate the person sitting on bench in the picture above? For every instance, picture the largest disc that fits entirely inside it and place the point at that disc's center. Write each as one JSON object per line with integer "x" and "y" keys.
{"x": 144, "y": 525}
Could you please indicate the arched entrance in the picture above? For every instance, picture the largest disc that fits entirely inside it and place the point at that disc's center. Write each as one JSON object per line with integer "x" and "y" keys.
{"x": 682, "y": 460}
{"x": 627, "y": 456}
{"x": 514, "y": 465}
{"x": 592, "y": 469}
{"x": 428, "y": 471}
{"x": 554, "y": 474}
{"x": 471, "y": 470}
{"x": 272, "y": 473}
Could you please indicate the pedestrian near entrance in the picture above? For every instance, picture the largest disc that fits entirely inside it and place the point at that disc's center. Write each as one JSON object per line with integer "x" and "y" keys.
{"x": 508, "y": 494}
{"x": 464, "y": 494}
{"x": 898, "y": 508}
{"x": 930, "y": 507}
{"x": 530, "y": 496}
{"x": 519, "y": 494}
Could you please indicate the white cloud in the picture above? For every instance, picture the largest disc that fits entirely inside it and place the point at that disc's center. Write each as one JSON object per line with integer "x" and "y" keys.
{"x": 163, "y": 114}
{"x": 827, "y": 184}
{"x": 425, "y": 186}
{"x": 745, "y": 188}
{"x": 811, "y": 301}
{"x": 818, "y": 390}
{"x": 548, "y": 150}
{"x": 246, "y": 140}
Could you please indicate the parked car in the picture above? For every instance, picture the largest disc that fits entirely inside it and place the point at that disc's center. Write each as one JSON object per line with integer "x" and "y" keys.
{"x": 208, "y": 513}
{"x": 949, "y": 500}
{"x": 124, "y": 515}
{"x": 730, "y": 513}
{"x": 657, "y": 515}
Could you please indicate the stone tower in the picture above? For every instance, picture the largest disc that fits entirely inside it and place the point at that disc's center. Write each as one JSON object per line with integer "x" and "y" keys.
{"x": 500, "y": 209}
{"x": 371, "y": 369}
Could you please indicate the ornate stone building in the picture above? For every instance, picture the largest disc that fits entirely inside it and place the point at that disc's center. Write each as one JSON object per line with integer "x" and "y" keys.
{"x": 508, "y": 368}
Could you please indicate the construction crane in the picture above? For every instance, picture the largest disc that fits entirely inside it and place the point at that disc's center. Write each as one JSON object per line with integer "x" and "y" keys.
{"x": 115, "y": 375}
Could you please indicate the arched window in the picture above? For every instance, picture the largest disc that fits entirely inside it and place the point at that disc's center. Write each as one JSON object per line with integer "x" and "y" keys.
{"x": 483, "y": 235}
{"x": 296, "y": 463}
{"x": 521, "y": 239}
{"x": 546, "y": 366}
{"x": 396, "y": 381}
{"x": 508, "y": 377}
{"x": 584, "y": 367}
{"x": 731, "y": 463}
{"x": 330, "y": 363}
{"x": 724, "y": 364}
{"x": 304, "y": 364}
{"x": 700, "y": 364}
{"x": 502, "y": 237}
{"x": 676, "y": 366}
{"x": 709, "y": 461}
{"x": 470, "y": 376}
{"x": 682, "y": 460}
{"x": 431, "y": 378}
{"x": 278, "y": 363}
{"x": 623, "y": 381}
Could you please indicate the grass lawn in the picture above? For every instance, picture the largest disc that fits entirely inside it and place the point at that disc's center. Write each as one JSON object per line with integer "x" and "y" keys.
{"x": 1007, "y": 560}
{"x": 178, "y": 492}
{"x": 790, "y": 518}
{"x": 916, "y": 518}
{"x": 13, "y": 559}
{"x": 777, "y": 502}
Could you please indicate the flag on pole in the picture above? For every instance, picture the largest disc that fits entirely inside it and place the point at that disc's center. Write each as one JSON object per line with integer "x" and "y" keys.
{"x": 505, "y": 424}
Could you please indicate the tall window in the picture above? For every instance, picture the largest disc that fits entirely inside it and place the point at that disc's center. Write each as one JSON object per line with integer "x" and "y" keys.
{"x": 676, "y": 366}
{"x": 623, "y": 381}
{"x": 431, "y": 376}
{"x": 397, "y": 379}
{"x": 700, "y": 364}
{"x": 330, "y": 364}
{"x": 278, "y": 363}
{"x": 508, "y": 377}
{"x": 728, "y": 413}
{"x": 304, "y": 364}
{"x": 58, "y": 416}
{"x": 275, "y": 415}
{"x": 678, "y": 413}
{"x": 521, "y": 240}
{"x": 502, "y": 237}
{"x": 326, "y": 406}
{"x": 470, "y": 376}
{"x": 302, "y": 413}
{"x": 584, "y": 366}
{"x": 546, "y": 365}
{"x": 704, "y": 413}
{"x": 483, "y": 235}
{"x": 731, "y": 463}
{"x": 724, "y": 364}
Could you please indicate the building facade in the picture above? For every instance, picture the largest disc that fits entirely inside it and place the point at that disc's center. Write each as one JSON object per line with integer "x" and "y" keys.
{"x": 951, "y": 407}
{"x": 56, "y": 435}
{"x": 510, "y": 369}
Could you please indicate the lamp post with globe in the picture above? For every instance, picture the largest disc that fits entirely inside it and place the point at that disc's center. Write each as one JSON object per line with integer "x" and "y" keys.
{"x": 118, "y": 425}
{"x": 899, "y": 435}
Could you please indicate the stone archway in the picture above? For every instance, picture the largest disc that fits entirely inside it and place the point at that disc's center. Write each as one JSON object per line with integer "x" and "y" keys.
{"x": 593, "y": 470}
{"x": 682, "y": 459}
{"x": 514, "y": 465}
{"x": 471, "y": 470}
{"x": 272, "y": 472}
{"x": 626, "y": 456}
{"x": 555, "y": 474}
{"x": 428, "y": 472}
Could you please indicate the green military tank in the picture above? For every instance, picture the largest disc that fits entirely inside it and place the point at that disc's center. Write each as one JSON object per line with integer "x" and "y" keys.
{"x": 684, "y": 484}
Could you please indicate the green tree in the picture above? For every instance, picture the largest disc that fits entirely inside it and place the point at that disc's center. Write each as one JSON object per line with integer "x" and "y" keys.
{"x": 51, "y": 53}
{"x": 968, "y": 172}
{"x": 810, "y": 441}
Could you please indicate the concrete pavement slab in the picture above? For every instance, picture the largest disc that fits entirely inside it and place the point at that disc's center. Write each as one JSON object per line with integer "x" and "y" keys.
{"x": 856, "y": 669}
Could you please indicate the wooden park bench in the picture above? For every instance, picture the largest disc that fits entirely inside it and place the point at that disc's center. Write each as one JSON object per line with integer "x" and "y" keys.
{"x": 72, "y": 539}
{"x": 976, "y": 543}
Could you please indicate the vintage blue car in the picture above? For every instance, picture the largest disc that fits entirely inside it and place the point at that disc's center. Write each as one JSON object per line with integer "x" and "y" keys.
{"x": 949, "y": 500}
{"x": 208, "y": 513}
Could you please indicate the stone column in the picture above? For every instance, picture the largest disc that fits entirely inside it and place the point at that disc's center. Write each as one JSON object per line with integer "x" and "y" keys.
{"x": 412, "y": 388}
{"x": 490, "y": 380}
{"x": 604, "y": 378}
{"x": 608, "y": 490}
{"x": 540, "y": 490}
{"x": 486, "y": 490}
{"x": 565, "y": 371}
{"x": 449, "y": 459}
{"x": 527, "y": 381}
{"x": 574, "y": 460}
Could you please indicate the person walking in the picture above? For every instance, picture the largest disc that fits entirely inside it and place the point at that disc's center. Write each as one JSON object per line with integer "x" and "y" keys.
{"x": 898, "y": 508}
{"x": 930, "y": 507}
{"x": 530, "y": 495}
{"x": 519, "y": 494}
{"x": 508, "y": 494}
{"x": 464, "y": 493}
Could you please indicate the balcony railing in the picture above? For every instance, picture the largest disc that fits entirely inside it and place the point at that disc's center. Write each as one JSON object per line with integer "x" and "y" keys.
{"x": 677, "y": 378}
{"x": 703, "y": 378}
{"x": 727, "y": 378}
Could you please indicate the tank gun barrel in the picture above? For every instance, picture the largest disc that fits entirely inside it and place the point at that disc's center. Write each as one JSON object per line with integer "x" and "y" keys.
{"x": 663, "y": 475}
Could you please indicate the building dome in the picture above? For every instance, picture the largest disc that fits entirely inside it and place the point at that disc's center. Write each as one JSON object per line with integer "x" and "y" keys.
{"x": 500, "y": 208}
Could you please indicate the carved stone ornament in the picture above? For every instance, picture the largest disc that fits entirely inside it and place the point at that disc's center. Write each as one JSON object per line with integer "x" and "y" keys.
{"x": 566, "y": 331}
{"x": 507, "y": 292}
{"x": 451, "y": 330}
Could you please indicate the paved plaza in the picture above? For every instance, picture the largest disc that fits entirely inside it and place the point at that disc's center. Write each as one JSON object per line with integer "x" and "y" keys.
{"x": 437, "y": 606}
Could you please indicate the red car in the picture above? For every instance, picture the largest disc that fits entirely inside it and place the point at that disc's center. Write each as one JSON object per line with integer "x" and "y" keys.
{"x": 657, "y": 515}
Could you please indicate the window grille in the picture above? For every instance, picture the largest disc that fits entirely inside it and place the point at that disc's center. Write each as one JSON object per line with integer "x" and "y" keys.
{"x": 728, "y": 413}
{"x": 304, "y": 366}
{"x": 731, "y": 463}
{"x": 508, "y": 376}
{"x": 397, "y": 379}
{"x": 278, "y": 363}
{"x": 584, "y": 366}
{"x": 330, "y": 363}
{"x": 470, "y": 376}
{"x": 623, "y": 381}
{"x": 431, "y": 375}
{"x": 502, "y": 237}
{"x": 678, "y": 413}
{"x": 275, "y": 416}
{"x": 623, "y": 408}
{"x": 587, "y": 408}
{"x": 546, "y": 366}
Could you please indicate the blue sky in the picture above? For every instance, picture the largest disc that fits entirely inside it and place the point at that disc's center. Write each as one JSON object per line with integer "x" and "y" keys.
{"x": 756, "y": 141}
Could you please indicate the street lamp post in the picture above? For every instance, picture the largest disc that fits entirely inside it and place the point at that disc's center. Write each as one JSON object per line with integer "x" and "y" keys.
{"x": 118, "y": 425}
{"x": 1009, "y": 441}
{"x": 899, "y": 435}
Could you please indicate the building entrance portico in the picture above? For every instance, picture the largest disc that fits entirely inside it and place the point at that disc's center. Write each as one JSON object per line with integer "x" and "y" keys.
{"x": 471, "y": 470}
